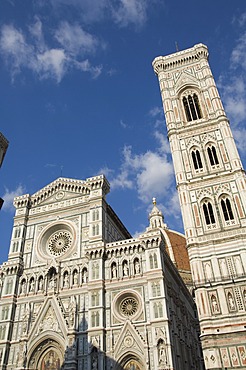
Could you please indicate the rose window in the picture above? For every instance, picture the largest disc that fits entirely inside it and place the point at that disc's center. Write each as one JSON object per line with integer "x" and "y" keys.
{"x": 129, "y": 306}
{"x": 59, "y": 242}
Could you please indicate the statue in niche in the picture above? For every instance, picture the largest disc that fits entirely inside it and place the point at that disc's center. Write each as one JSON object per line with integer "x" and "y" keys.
{"x": 244, "y": 296}
{"x": 66, "y": 280}
{"x": 52, "y": 281}
{"x": 215, "y": 307}
{"x": 41, "y": 283}
{"x": 125, "y": 269}
{"x": 23, "y": 287}
{"x": 162, "y": 355}
{"x": 137, "y": 266}
{"x": 94, "y": 359}
{"x": 31, "y": 287}
{"x": 114, "y": 270}
{"x": 231, "y": 301}
{"x": 75, "y": 277}
{"x": 84, "y": 275}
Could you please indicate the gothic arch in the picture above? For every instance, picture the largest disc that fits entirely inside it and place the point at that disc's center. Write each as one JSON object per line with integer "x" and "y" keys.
{"x": 227, "y": 208}
{"x": 190, "y": 100}
{"x": 208, "y": 211}
{"x": 212, "y": 152}
{"x": 46, "y": 350}
{"x": 131, "y": 362}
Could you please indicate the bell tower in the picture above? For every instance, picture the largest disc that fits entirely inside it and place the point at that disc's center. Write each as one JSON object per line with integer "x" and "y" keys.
{"x": 212, "y": 193}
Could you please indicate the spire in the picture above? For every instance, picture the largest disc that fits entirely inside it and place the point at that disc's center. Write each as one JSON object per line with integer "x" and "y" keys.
{"x": 156, "y": 218}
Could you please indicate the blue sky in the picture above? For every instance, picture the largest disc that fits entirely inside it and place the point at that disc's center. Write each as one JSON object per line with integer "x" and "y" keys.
{"x": 78, "y": 95}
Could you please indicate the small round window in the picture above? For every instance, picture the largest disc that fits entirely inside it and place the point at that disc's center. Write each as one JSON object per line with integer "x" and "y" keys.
{"x": 57, "y": 240}
{"x": 127, "y": 305}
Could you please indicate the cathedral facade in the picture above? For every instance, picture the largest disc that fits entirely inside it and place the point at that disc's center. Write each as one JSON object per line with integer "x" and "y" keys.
{"x": 78, "y": 292}
{"x": 211, "y": 185}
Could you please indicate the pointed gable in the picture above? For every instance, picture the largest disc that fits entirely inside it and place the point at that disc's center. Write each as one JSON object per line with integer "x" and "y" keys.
{"x": 129, "y": 341}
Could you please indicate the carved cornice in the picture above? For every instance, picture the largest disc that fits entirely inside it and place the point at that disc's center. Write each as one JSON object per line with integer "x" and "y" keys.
{"x": 181, "y": 58}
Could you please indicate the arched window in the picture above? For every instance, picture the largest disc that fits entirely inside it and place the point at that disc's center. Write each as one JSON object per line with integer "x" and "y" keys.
{"x": 156, "y": 291}
{"x": 196, "y": 157}
{"x": 155, "y": 261}
{"x": 192, "y": 107}
{"x": 95, "y": 319}
{"x": 158, "y": 310}
{"x": 15, "y": 247}
{"x": 95, "y": 271}
{"x": 151, "y": 261}
{"x": 208, "y": 213}
{"x": 213, "y": 158}
{"x": 226, "y": 209}
{"x": 95, "y": 299}
{"x": 9, "y": 286}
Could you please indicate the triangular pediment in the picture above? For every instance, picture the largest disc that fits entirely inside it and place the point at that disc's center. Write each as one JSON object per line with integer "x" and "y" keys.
{"x": 49, "y": 319}
{"x": 64, "y": 189}
{"x": 184, "y": 79}
{"x": 129, "y": 341}
{"x": 60, "y": 190}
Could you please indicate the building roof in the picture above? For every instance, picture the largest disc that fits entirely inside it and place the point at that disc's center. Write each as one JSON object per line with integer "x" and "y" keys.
{"x": 3, "y": 147}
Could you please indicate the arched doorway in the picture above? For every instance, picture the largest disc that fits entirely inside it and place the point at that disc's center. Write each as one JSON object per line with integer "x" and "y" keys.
{"x": 48, "y": 355}
{"x": 131, "y": 362}
{"x": 133, "y": 365}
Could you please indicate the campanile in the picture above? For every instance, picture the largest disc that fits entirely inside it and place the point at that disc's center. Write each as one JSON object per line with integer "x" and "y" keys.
{"x": 212, "y": 193}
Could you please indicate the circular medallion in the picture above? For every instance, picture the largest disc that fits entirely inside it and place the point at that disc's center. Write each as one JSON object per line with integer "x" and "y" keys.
{"x": 60, "y": 195}
{"x": 128, "y": 341}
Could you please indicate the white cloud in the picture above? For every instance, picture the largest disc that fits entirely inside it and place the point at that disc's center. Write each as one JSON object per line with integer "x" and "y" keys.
{"x": 44, "y": 61}
{"x": 155, "y": 176}
{"x": 85, "y": 66}
{"x": 123, "y": 124}
{"x": 51, "y": 64}
{"x": 75, "y": 40}
{"x": 150, "y": 174}
{"x": 163, "y": 142}
{"x": 9, "y": 196}
{"x": 240, "y": 137}
{"x": 14, "y": 48}
{"x": 36, "y": 30}
{"x": 127, "y": 12}
{"x": 238, "y": 55}
{"x": 156, "y": 111}
{"x": 123, "y": 12}
{"x": 233, "y": 90}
